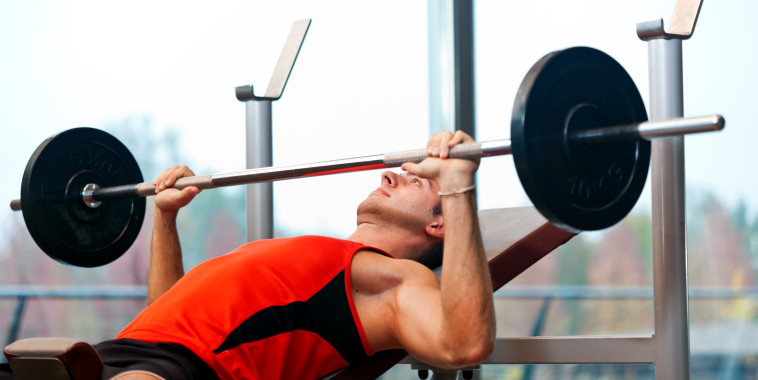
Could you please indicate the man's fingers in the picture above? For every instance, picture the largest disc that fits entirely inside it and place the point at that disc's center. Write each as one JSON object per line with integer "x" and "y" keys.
{"x": 185, "y": 196}
{"x": 444, "y": 148}
{"x": 458, "y": 138}
{"x": 428, "y": 168}
{"x": 433, "y": 145}
{"x": 437, "y": 145}
{"x": 189, "y": 193}
{"x": 183, "y": 171}
{"x": 160, "y": 180}
{"x": 173, "y": 199}
{"x": 175, "y": 173}
{"x": 169, "y": 176}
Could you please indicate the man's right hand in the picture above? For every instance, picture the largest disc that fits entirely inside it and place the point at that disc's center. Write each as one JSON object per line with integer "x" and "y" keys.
{"x": 171, "y": 200}
{"x": 450, "y": 174}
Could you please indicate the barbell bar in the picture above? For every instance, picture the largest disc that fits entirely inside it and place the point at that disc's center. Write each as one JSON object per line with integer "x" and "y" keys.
{"x": 579, "y": 140}
{"x": 92, "y": 196}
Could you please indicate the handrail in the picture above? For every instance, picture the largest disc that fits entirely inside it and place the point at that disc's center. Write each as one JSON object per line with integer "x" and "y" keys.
{"x": 73, "y": 291}
{"x": 546, "y": 292}
{"x": 616, "y": 292}
{"x": 23, "y": 292}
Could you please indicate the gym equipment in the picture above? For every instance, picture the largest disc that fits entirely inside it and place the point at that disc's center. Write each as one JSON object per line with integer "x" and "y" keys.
{"x": 63, "y": 227}
{"x": 259, "y": 198}
{"x": 579, "y": 143}
{"x": 53, "y": 358}
{"x": 579, "y": 185}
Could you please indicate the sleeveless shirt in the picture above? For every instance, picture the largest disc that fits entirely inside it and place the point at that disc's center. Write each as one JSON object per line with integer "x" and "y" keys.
{"x": 271, "y": 309}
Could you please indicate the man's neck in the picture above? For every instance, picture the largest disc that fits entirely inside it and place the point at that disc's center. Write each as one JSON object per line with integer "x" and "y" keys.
{"x": 397, "y": 242}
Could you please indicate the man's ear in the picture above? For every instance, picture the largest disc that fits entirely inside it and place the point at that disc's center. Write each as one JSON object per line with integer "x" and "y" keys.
{"x": 437, "y": 227}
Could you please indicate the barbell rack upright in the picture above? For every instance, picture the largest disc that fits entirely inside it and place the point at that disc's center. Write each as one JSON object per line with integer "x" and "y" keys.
{"x": 668, "y": 215}
{"x": 671, "y": 320}
{"x": 259, "y": 133}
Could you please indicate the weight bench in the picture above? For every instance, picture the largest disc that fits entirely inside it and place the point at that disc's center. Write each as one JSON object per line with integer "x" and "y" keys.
{"x": 53, "y": 359}
{"x": 514, "y": 239}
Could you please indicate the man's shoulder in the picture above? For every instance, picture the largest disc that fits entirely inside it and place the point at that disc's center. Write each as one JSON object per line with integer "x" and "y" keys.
{"x": 402, "y": 271}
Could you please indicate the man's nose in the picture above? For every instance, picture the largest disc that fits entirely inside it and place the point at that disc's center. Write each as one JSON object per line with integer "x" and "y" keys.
{"x": 391, "y": 179}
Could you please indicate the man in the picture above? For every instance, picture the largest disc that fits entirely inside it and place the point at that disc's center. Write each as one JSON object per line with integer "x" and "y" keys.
{"x": 307, "y": 307}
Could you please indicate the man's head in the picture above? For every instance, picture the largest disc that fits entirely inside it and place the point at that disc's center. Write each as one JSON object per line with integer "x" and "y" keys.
{"x": 407, "y": 208}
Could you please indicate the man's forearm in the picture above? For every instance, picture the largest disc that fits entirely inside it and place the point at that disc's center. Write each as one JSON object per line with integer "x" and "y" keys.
{"x": 166, "y": 266}
{"x": 466, "y": 290}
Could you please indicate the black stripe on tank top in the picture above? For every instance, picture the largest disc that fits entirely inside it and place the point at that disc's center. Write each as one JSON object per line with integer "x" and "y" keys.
{"x": 327, "y": 313}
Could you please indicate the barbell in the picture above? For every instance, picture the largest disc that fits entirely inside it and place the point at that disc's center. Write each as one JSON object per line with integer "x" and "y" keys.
{"x": 579, "y": 140}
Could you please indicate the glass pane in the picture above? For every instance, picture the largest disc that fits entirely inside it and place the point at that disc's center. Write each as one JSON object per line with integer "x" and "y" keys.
{"x": 162, "y": 78}
{"x": 722, "y": 205}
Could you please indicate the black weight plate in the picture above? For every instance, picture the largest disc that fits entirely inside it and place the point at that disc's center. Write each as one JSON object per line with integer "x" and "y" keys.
{"x": 578, "y": 186}
{"x": 55, "y": 215}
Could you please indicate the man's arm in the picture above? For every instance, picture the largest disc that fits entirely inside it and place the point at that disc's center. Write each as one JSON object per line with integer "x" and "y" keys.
{"x": 453, "y": 325}
{"x": 166, "y": 265}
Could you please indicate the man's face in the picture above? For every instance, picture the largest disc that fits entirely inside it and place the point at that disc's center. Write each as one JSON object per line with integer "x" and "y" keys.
{"x": 402, "y": 199}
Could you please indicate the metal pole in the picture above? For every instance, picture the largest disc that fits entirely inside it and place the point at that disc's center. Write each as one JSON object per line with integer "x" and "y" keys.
{"x": 463, "y": 51}
{"x": 647, "y": 130}
{"x": 451, "y": 66}
{"x": 441, "y": 61}
{"x": 18, "y": 316}
{"x": 258, "y": 125}
{"x": 259, "y": 196}
{"x": 260, "y": 114}
{"x": 672, "y": 356}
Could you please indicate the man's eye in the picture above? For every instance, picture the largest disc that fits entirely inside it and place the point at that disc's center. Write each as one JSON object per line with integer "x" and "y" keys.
{"x": 417, "y": 182}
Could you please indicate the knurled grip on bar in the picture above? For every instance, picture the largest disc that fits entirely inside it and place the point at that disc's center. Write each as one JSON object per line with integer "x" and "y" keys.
{"x": 201, "y": 181}
{"x": 467, "y": 151}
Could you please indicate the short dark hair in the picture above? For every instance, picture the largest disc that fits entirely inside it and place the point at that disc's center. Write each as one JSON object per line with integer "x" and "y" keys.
{"x": 437, "y": 209}
{"x": 432, "y": 255}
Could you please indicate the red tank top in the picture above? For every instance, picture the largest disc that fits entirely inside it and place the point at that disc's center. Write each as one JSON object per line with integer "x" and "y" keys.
{"x": 272, "y": 309}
